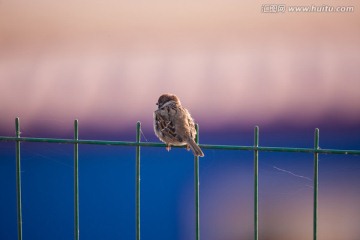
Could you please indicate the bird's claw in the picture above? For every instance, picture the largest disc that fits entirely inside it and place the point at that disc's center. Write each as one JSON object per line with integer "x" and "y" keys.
{"x": 168, "y": 148}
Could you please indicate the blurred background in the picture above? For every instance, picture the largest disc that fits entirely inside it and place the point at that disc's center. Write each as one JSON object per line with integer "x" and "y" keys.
{"x": 233, "y": 66}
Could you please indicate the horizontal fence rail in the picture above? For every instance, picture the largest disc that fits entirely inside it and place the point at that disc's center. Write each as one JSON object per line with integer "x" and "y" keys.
{"x": 204, "y": 146}
{"x": 138, "y": 144}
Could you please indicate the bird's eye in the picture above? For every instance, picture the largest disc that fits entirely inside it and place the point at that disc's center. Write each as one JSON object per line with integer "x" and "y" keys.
{"x": 157, "y": 103}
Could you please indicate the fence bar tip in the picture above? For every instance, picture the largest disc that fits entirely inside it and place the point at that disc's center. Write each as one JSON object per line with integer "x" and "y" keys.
{"x": 256, "y": 136}
{"x": 316, "y": 138}
{"x": 76, "y": 129}
{"x": 17, "y": 127}
{"x": 138, "y": 131}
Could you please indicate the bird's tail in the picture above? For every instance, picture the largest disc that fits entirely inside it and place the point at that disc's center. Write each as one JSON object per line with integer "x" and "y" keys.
{"x": 195, "y": 148}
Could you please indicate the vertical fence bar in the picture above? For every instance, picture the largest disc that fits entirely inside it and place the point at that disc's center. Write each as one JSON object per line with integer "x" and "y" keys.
{"x": 18, "y": 180}
{"x": 316, "y": 182}
{"x": 137, "y": 182}
{"x": 197, "y": 186}
{"x": 256, "y": 183}
{"x": 76, "y": 181}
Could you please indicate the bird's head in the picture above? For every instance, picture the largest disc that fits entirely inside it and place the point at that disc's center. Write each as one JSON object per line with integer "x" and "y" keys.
{"x": 167, "y": 98}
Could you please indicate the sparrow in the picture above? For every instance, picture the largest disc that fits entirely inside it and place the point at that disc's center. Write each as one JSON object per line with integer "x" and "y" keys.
{"x": 174, "y": 125}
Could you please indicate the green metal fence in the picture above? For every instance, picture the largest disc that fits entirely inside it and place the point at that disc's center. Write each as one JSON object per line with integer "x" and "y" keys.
{"x": 138, "y": 144}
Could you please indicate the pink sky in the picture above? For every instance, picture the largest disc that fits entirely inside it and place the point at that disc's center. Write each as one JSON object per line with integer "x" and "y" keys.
{"x": 226, "y": 60}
